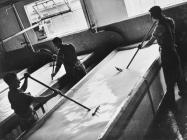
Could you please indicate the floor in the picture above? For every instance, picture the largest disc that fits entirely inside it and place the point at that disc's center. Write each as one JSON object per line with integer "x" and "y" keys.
{"x": 170, "y": 125}
{"x": 181, "y": 115}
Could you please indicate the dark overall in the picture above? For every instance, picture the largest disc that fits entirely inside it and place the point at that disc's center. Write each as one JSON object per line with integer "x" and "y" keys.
{"x": 20, "y": 103}
{"x": 75, "y": 70}
{"x": 170, "y": 60}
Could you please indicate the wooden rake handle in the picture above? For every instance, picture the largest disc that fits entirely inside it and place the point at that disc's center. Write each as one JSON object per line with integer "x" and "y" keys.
{"x": 60, "y": 93}
{"x": 145, "y": 37}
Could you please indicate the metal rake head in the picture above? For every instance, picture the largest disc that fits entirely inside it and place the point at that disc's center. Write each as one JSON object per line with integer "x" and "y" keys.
{"x": 95, "y": 111}
{"x": 119, "y": 69}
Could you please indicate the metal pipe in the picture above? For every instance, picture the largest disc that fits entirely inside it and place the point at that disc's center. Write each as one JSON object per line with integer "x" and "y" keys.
{"x": 19, "y": 33}
{"x": 56, "y": 14}
{"x": 25, "y": 35}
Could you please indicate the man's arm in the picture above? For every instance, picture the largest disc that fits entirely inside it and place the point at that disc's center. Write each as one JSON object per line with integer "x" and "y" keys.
{"x": 59, "y": 62}
{"x": 25, "y": 84}
{"x": 150, "y": 42}
{"x": 157, "y": 32}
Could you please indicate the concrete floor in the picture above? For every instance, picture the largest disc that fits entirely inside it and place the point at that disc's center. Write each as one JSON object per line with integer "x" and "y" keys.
{"x": 170, "y": 126}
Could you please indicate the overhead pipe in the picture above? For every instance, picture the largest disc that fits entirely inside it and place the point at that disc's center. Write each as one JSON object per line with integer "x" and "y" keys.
{"x": 33, "y": 26}
{"x": 25, "y": 35}
{"x": 19, "y": 33}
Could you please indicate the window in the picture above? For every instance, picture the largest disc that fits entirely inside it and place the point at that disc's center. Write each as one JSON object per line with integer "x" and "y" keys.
{"x": 105, "y": 12}
{"x": 56, "y": 17}
{"x": 136, "y": 7}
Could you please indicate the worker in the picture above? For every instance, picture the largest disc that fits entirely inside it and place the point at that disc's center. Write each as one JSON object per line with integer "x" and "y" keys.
{"x": 67, "y": 56}
{"x": 21, "y": 102}
{"x": 164, "y": 34}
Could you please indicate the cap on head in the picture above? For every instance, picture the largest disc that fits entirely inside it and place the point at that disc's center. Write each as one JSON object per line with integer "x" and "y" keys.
{"x": 9, "y": 77}
{"x": 56, "y": 40}
{"x": 156, "y": 12}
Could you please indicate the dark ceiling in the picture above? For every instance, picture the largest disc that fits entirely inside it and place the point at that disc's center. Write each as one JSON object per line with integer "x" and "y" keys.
{"x": 4, "y": 3}
{"x": 7, "y": 2}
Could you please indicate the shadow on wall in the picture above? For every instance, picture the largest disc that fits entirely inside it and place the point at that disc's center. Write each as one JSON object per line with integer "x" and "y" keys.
{"x": 132, "y": 30}
{"x": 21, "y": 59}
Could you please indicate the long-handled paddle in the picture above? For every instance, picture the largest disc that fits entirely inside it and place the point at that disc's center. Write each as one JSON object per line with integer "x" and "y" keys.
{"x": 48, "y": 52}
{"x": 53, "y": 69}
{"x": 145, "y": 37}
{"x": 94, "y": 112}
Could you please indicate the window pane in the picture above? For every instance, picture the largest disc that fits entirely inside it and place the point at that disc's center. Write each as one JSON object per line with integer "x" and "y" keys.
{"x": 62, "y": 24}
{"x": 137, "y": 7}
{"x": 105, "y": 12}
